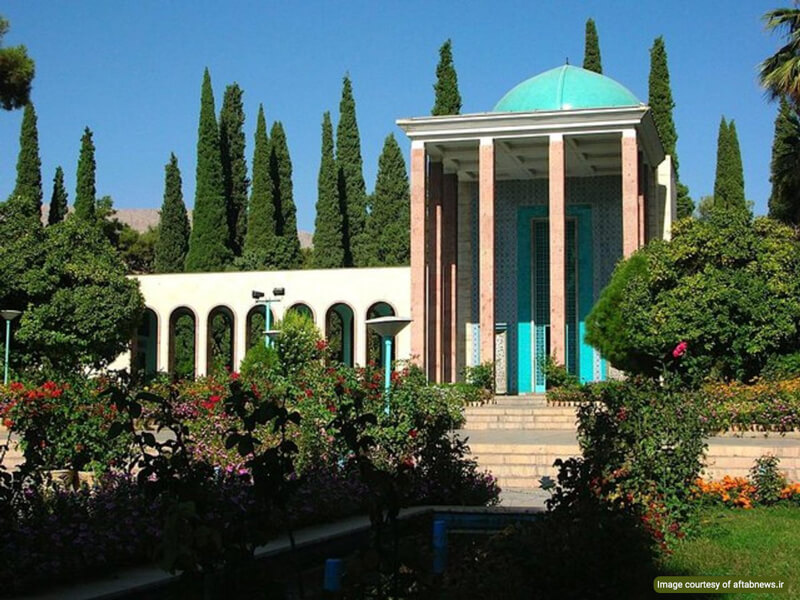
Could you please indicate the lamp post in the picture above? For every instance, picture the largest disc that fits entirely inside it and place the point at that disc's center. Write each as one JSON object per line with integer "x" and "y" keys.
{"x": 277, "y": 292}
{"x": 387, "y": 328}
{"x": 8, "y": 315}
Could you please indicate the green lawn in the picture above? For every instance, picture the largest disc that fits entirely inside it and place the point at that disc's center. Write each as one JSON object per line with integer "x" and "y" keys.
{"x": 758, "y": 543}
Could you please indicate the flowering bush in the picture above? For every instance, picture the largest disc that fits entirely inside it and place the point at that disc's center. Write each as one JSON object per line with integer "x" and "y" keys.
{"x": 642, "y": 446}
{"x": 63, "y": 425}
{"x": 764, "y": 405}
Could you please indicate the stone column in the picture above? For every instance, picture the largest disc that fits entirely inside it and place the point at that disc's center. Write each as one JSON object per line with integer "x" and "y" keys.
{"x": 556, "y": 221}
{"x": 418, "y": 234}
{"x": 449, "y": 251}
{"x": 435, "y": 174}
{"x": 163, "y": 343}
{"x": 486, "y": 199}
{"x": 630, "y": 193}
{"x": 240, "y": 336}
{"x": 201, "y": 343}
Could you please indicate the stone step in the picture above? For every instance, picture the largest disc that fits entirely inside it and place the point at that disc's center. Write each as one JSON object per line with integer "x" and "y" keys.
{"x": 484, "y": 418}
{"x": 533, "y": 425}
{"x": 510, "y": 411}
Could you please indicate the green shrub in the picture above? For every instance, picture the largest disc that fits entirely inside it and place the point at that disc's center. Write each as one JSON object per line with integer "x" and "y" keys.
{"x": 299, "y": 341}
{"x": 782, "y": 366}
{"x": 641, "y": 447}
{"x": 767, "y": 480}
{"x": 729, "y": 286}
{"x": 481, "y": 376}
{"x": 557, "y": 375}
{"x": 259, "y": 361}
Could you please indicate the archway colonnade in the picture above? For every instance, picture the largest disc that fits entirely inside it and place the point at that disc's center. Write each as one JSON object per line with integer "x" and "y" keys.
{"x": 195, "y": 323}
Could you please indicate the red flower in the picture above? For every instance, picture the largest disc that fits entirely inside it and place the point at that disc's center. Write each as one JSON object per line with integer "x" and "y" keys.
{"x": 680, "y": 350}
{"x": 234, "y": 375}
{"x": 321, "y": 345}
{"x": 211, "y": 402}
{"x": 309, "y": 393}
{"x": 331, "y": 408}
{"x": 412, "y": 434}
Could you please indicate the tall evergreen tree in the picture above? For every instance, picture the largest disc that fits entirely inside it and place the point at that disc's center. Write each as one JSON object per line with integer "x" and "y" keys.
{"x": 661, "y": 105}
{"x": 447, "y": 97}
{"x": 234, "y": 165}
{"x": 391, "y": 218}
{"x": 350, "y": 180}
{"x": 58, "y": 201}
{"x": 16, "y": 72}
{"x": 173, "y": 231}
{"x": 729, "y": 178}
{"x": 260, "y": 241}
{"x": 287, "y": 253}
{"x": 591, "y": 49}
{"x": 328, "y": 252}
{"x": 784, "y": 201}
{"x": 29, "y": 165}
{"x": 85, "y": 195}
{"x": 208, "y": 244}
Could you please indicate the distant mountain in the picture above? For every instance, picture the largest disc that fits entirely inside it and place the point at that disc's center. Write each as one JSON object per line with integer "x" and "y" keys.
{"x": 141, "y": 219}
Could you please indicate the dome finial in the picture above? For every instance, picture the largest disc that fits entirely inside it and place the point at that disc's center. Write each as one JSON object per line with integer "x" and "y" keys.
{"x": 567, "y": 60}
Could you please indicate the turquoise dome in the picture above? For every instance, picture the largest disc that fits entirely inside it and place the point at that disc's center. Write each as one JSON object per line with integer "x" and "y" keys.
{"x": 566, "y": 88}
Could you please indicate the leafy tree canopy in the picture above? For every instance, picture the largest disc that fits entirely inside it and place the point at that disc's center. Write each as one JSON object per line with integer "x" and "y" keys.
{"x": 16, "y": 72}
{"x": 727, "y": 285}
{"x": 79, "y": 308}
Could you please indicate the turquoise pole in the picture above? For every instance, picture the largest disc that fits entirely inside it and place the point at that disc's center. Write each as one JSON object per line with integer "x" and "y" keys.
{"x": 387, "y": 368}
{"x": 267, "y": 324}
{"x": 8, "y": 343}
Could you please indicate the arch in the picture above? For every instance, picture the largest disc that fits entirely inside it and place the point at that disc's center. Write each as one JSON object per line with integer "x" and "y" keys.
{"x": 303, "y": 308}
{"x": 373, "y": 341}
{"x": 221, "y": 339}
{"x": 254, "y": 330}
{"x": 182, "y": 360}
{"x": 339, "y": 327}
{"x": 145, "y": 356}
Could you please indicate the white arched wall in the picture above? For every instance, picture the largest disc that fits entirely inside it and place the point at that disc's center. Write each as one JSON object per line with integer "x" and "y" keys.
{"x": 319, "y": 289}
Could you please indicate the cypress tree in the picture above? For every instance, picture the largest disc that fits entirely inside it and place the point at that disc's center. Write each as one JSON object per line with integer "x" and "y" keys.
{"x": 234, "y": 165}
{"x": 661, "y": 105}
{"x": 391, "y": 217}
{"x": 287, "y": 253}
{"x": 591, "y": 50}
{"x": 259, "y": 243}
{"x": 447, "y": 98}
{"x": 328, "y": 252}
{"x": 173, "y": 231}
{"x": 350, "y": 180}
{"x": 58, "y": 201}
{"x": 85, "y": 195}
{"x": 29, "y": 165}
{"x": 208, "y": 244}
{"x": 729, "y": 178}
{"x": 784, "y": 201}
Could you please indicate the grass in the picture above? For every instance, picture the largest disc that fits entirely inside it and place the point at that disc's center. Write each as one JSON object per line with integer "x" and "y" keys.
{"x": 760, "y": 543}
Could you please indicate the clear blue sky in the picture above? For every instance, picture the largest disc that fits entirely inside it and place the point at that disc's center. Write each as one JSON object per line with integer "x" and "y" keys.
{"x": 132, "y": 71}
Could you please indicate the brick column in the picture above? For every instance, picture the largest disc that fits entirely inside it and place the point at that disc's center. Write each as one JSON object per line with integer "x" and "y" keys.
{"x": 434, "y": 342}
{"x": 556, "y": 220}
{"x": 630, "y": 193}
{"x": 418, "y": 192}
{"x": 486, "y": 247}
{"x": 449, "y": 240}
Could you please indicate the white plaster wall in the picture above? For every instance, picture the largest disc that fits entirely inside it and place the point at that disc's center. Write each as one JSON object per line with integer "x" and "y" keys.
{"x": 319, "y": 289}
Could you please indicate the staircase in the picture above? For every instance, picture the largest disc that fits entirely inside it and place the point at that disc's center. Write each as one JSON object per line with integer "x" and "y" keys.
{"x": 520, "y": 412}
{"x": 518, "y": 438}
{"x": 13, "y": 456}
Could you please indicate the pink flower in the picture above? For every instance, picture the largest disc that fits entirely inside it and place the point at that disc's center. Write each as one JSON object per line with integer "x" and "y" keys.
{"x": 680, "y": 350}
